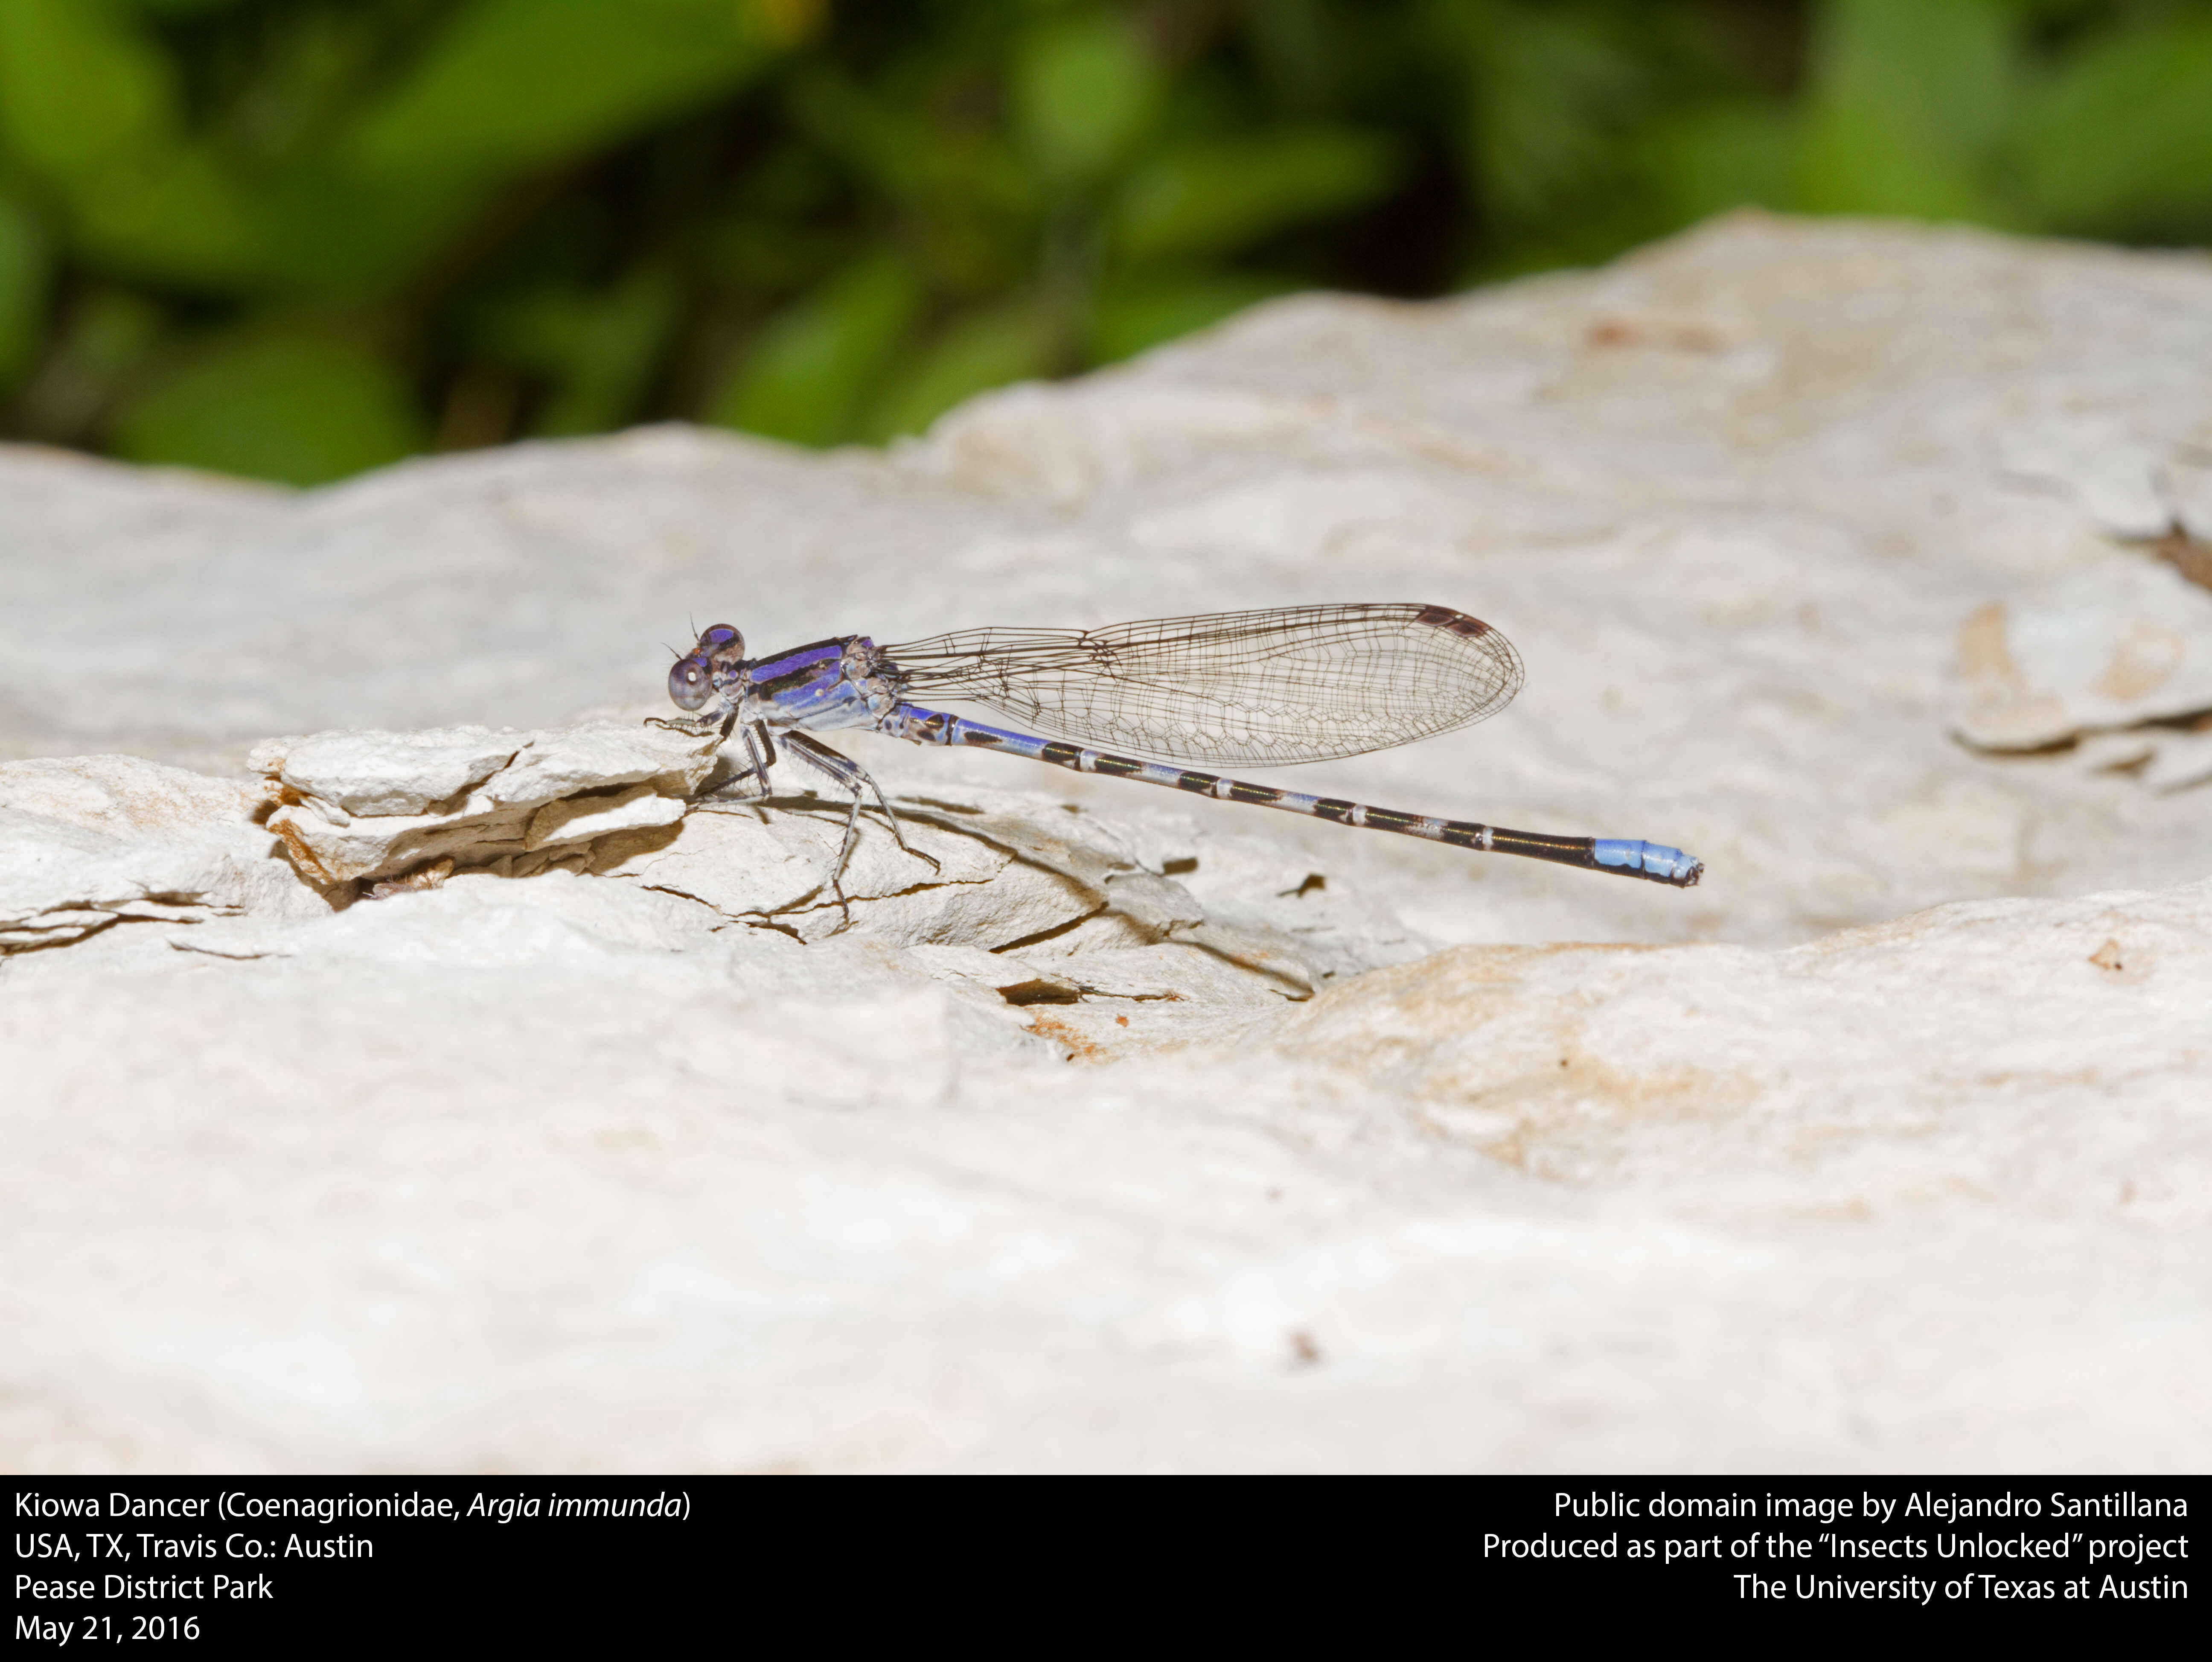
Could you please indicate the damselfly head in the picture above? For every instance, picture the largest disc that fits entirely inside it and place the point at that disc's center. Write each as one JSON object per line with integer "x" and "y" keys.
{"x": 694, "y": 676}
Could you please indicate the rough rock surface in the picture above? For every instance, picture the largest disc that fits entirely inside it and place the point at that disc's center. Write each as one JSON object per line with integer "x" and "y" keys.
{"x": 354, "y": 806}
{"x": 485, "y": 1079}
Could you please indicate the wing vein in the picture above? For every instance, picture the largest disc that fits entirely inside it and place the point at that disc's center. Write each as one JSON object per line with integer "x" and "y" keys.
{"x": 1289, "y": 684}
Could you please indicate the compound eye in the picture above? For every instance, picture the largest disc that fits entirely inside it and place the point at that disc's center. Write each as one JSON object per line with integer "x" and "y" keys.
{"x": 689, "y": 683}
{"x": 722, "y": 634}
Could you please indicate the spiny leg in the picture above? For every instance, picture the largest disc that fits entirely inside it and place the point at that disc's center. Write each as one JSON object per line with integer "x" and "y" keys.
{"x": 759, "y": 748}
{"x": 852, "y": 819}
{"x": 695, "y": 726}
{"x": 850, "y": 775}
{"x": 762, "y": 751}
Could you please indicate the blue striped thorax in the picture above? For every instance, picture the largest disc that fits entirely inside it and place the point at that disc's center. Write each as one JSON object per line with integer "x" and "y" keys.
{"x": 846, "y": 682}
{"x": 829, "y": 684}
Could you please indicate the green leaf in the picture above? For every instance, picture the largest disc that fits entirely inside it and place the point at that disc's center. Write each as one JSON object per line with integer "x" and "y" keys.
{"x": 899, "y": 152}
{"x": 1084, "y": 92}
{"x": 1291, "y": 42}
{"x": 329, "y": 233}
{"x": 23, "y": 280}
{"x": 80, "y": 85}
{"x": 525, "y": 83}
{"x": 1135, "y": 315}
{"x": 301, "y": 410}
{"x": 1704, "y": 161}
{"x": 111, "y": 334}
{"x": 90, "y": 102}
{"x": 1212, "y": 198}
{"x": 1013, "y": 341}
{"x": 2120, "y": 143}
{"x": 812, "y": 366}
{"x": 786, "y": 22}
{"x": 600, "y": 348}
{"x": 1909, "y": 99}
{"x": 1550, "y": 87}
{"x": 171, "y": 212}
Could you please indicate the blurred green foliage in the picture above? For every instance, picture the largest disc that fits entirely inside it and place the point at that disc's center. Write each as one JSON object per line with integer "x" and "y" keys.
{"x": 299, "y": 238}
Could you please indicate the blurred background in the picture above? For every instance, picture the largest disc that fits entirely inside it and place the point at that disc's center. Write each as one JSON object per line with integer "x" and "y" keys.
{"x": 294, "y": 239}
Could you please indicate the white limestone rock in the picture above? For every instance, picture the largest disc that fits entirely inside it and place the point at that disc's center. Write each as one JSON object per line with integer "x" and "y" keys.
{"x": 88, "y": 841}
{"x": 2179, "y": 761}
{"x": 2188, "y": 479}
{"x": 353, "y": 805}
{"x": 2050, "y": 1051}
{"x": 1927, "y": 1196}
{"x": 758, "y": 864}
{"x": 980, "y": 871}
{"x": 385, "y": 773}
{"x": 565, "y": 1121}
{"x": 1058, "y": 909}
{"x": 2125, "y": 641}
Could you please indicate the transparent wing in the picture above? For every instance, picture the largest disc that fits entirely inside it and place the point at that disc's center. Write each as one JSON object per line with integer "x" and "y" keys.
{"x": 1296, "y": 684}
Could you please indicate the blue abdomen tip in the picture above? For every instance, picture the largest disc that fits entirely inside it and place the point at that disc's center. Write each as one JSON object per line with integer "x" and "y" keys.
{"x": 1652, "y": 859}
